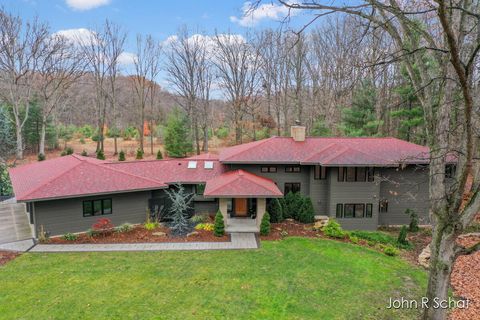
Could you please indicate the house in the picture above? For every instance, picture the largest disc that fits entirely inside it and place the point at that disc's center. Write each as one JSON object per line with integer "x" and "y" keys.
{"x": 362, "y": 182}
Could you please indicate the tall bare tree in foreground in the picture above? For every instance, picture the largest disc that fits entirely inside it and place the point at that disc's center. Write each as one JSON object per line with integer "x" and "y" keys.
{"x": 438, "y": 43}
{"x": 60, "y": 65}
{"x": 102, "y": 49}
{"x": 147, "y": 67}
{"x": 21, "y": 45}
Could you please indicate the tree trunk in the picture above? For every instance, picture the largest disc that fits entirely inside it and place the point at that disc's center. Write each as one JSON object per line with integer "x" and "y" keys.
{"x": 115, "y": 152}
{"x": 42, "y": 136}
{"x": 19, "y": 149}
{"x": 205, "y": 139}
{"x": 151, "y": 137}
{"x": 196, "y": 135}
{"x": 141, "y": 128}
{"x": 441, "y": 263}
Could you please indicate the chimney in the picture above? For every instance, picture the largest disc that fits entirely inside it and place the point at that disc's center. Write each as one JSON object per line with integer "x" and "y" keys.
{"x": 297, "y": 132}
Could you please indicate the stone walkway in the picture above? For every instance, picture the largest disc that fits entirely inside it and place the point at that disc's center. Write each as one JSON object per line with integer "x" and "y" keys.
{"x": 20, "y": 246}
{"x": 239, "y": 241}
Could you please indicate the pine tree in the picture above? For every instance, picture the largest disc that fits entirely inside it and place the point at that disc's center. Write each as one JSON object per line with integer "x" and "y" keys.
{"x": 121, "y": 156}
{"x": 402, "y": 236}
{"x": 307, "y": 212}
{"x": 180, "y": 205}
{"x": 100, "y": 155}
{"x": 265, "y": 224}
{"x": 320, "y": 129}
{"x": 159, "y": 155}
{"x": 177, "y": 137}
{"x": 139, "y": 155}
{"x": 276, "y": 211}
{"x": 360, "y": 118}
{"x": 219, "y": 226}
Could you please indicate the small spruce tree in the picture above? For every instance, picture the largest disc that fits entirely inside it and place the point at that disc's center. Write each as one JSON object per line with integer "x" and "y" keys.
{"x": 265, "y": 224}
{"x": 177, "y": 132}
{"x": 100, "y": 155}
{"x": 180, "y": 204}
{"x": 139, "y": 155}
{"x": 307, "y": 212}
{"x": 159, "y": 155}
{"x": 41, "y": 157}
{"x": 219, "y": 226}
{"x": 276, "y": 211}
{"x": 402, "y": 236}
{"x": 413, "y": 226}
{"x": 121, "y": 156}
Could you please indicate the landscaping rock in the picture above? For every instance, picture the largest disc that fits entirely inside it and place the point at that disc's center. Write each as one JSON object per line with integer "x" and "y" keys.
{"x": 193, "y": 234}
{"x": 321, "y": 218}
{"x": 159, "y": 234}
{"x": 424, "y": 257}
{"x": 320, "y": 224}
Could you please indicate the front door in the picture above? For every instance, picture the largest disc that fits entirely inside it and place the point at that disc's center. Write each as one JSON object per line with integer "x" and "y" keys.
{"x": 241, "y": 208}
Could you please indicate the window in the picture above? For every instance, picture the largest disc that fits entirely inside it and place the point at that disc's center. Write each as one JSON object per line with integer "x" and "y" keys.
{"x": 200, "y": 189}
{"x": 320, "y": 173}
{"x": 290, "y": 169}
{"x": 383, "y": 206}
{"x": 271, "y": 169}
{"x": 341, "y": 174}
{"x": 369, "y": 210}
{"x": 350, "y": 175}
{"x": 361, "y": 174}
{"x": 97, "y": 207}
{"x": 450, "y": 170}
{"x": 339, "y": 210}
{"x": 292, "y": 187}
{"x": 354, "y": 210}
{"x": 370, "y": 174}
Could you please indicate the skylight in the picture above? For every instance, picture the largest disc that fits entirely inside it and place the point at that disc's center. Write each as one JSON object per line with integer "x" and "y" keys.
{"x": 208, "y": 165}
{"x": 192, "y": 164}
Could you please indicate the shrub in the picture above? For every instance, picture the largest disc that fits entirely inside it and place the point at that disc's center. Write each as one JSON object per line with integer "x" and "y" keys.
{"x": 91, "y": 233}
{"x": 121, "y": 156}
{"x": 63, "y": 153}
{"x": 70, "y": 236}
{"x": 292, "y": 205}
{"x": 199, "y": 218}
{"x": 306, "y": 213}
{"x": 354, "y": 240}
{"x": 205, "y": 226}
{"x": 150, "y": 225}
{"x": 82, "y": 140}
{"x": 284, "y": 233}
{"x": 86, "y": 131}
{"x": 139, "y": 155}
{"x": 96, "y": 137}
{"x": 84, "y": 153}
{"x": 402, "y": 236}
{"x": 390, "y": 251}
{"x": 276, "y": 211}
{"x": 265, "y": 224}
{"x": 222, "y": 133}
{"x": 41, "y": 157}
{"x": 100, "y": 155}
{"x": 68, "y": 150}
{"x": 102, "y": 225}
{"x": 129, "y": 133}
{"x": 219, "y": 227}
{"x": 413, "y": 226}
{"x": 374, "y": 237}
{"x": 159, "y": 155}
{"x": 334, "y": 230}
{"x": 125, "y": 227}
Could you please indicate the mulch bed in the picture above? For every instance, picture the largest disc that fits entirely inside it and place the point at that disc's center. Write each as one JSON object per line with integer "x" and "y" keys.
{"x": 6, "y": 256}
{"x": 290, "y": 228}
{"x": 139, "y": 235}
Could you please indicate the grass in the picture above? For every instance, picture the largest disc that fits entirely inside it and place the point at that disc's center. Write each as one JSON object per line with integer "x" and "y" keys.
{"x": 296, "y": 278}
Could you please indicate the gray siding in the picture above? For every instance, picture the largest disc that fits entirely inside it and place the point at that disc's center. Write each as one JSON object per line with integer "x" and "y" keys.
{"x": 206, "y": 207}
{"x": 351, "y": 193}
{"x": 404, "y": 189}
{"x": 66, "y": 215}
{"x": 319, "y": 192}
{"x": 281, "y": 177}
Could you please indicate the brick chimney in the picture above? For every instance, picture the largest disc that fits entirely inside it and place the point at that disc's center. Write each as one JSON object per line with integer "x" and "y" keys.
{"x": 297, "y": 131}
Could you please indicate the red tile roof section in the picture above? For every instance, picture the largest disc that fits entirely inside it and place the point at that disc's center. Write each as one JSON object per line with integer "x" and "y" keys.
{"x": 241, "y": 183}
{"x": 328, "y": 151}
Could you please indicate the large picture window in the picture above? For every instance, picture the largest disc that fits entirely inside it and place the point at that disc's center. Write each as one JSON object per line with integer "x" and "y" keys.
{"x": 356, "y": 174}
{"x": 97, "y": 207}
{"x": 320, "y": 173}
{"x": 291, "y": 187}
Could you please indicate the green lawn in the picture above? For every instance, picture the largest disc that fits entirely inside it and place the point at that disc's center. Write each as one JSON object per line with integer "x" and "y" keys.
{"x": 292, "y": 279}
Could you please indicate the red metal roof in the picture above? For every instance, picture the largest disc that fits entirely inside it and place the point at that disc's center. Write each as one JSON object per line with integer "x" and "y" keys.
{"x": 328, "y": 151}
{"x": 241, "y": 183}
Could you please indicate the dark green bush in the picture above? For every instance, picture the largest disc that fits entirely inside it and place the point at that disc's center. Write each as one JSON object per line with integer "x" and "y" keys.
{"x": 159, "y": 155}
{"x": 276, "y": 211}
{"x": 219, "y": 226}
{"x": 375, "y": 237}
{"x": 121, "y": 156}
{"x": 306, "y": 213}
{"x": 84, "y": 153}
{"x": 334, "y": 230}
{"x": 41, "y": 157}
{"x": 265, "y": 225}
{"x": 100, "y": 155}
{"x": 139, "y": 155}
{"x": 68, "y": 150}
{"x": 293, "y": 205}
{"x": 402, "y": 236}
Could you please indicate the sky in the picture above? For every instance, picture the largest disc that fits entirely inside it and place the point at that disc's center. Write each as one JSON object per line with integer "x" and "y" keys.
{"x": 159, "y": 18}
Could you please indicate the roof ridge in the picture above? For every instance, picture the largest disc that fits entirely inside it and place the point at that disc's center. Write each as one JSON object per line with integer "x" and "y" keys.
{"x": 258, "y": 143}
{"x": 131, "y": 174}
{"x": 321, "y": 150}
{"x": 53, "y": 178}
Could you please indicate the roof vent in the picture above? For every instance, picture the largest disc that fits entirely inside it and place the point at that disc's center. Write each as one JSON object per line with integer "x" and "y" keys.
{"x": 192, "y": 164}
{"x": 208, "y": 165}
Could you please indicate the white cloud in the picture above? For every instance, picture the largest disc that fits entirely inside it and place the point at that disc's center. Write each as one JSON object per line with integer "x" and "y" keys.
{"x": 252, "y": 16}
{"x": 126, "y": 58}
{"x": 78, "y": 36}
{"x": 83, "y": 5}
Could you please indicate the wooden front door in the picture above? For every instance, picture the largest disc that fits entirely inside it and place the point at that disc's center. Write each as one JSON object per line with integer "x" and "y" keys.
{"x": 241, "y": 208}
